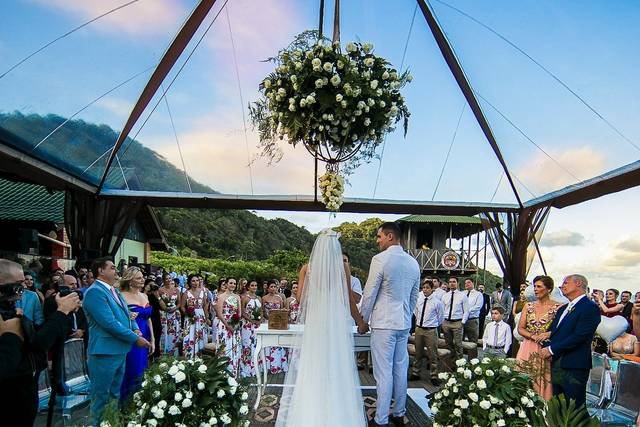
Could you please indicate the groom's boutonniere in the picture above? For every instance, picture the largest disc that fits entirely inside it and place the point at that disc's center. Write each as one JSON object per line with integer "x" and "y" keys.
{"x": 570, "y": 309}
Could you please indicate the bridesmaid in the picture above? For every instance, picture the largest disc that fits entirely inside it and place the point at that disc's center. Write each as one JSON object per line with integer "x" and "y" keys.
{"x": 534, "y": 326}
{"x": 216, "y": 328}
{"x": 169, "y": 316}
{"x": 292, "y": 304}
{"x": 151, "y": 289}
{"x": 228, "y": 311}
{"x": 131, "y": 285}
{"x": 251, "y": 319}
{"x": 276, "y": 356}
{"x": 194, "y": 305}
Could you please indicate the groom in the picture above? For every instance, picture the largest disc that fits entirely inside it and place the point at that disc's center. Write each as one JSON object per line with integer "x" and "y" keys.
{"x": 572, "y": 331}
{"x": 389, "y": 298}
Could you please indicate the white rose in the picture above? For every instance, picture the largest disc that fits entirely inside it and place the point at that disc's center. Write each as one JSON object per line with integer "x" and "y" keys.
{"x": 303, "y": 102}
{"x": 339, "y": 98}
{"x": 225, "y": 419}
{"x": 481, "y": 385}
{"x": 157, "y": 379}
{"x": 156, "y": 393}
{"x": 220, "y": 393}
{"x": 457, "y": 412}
{"x": 340, "y": 65}
{"x": 152, "y": 423}
{"x": 367, "y": 47}
{"x": 244, "y": 409}
{"x": 202, "y": 369}
{"x": 510, "y": 411}
{"x": 383, "y": 104}
{"x": 369, "y": 62}
{"x": 473, "y": 396}
{"x": 379, "y": 92}
{"x": 327, "y": 66}
{"x": 485, "y": 404}
{"x": 455, "y": 389}
{"x": 180, "y": 376}
{"x": 367, "y": 121}
{"x": 178, "y": 397}
{"x": 524, "y": 400}
{"x": 434, "y": 411}
{"x": 409, "y": 78}
{"x": 298, "y": 66}
{"x": 488, "y": 373}
{"x": 162, "y": 404}
{"x": 186, "y": 403}
{"x": 443, "y": 375}
{"x": 174, "y": 410}
{"x": 344, "y": 104}
{"x": 493, "y": 399}
{"x": 267, "y": 83}
{"x": 505, "y": 369}
{"x": 452, "y": 381}
{"x": 281, "y": 92}
{"x": 486, "y": 360}
{"x": 374, "y": 84}
{"x": 335, "y": 80}
{"x": 351, "y": 47}
{"x": 445, "y": 392}
{"x": 292, "y": 107}
{"x": 461, "y": 362}
{"x": 464, "y": 403}
{"x": 385, "y": 75}
{"x": 173, "y": 370}
{"x": 232, "y": 390}
{"x": 316, "y": 62}
{"x": 213, "y": 421}
{"x": 188, "y": 395}
{"x": 467, "y": 373}
{"x": 500, "y": 423}
{"x": 310, "y": 99}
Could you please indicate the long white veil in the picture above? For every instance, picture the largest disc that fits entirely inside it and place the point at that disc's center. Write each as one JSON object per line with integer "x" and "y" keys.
{"x": 322, "y": 385}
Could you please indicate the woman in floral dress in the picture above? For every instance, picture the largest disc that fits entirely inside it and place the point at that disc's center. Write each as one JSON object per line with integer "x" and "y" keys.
{"x": 534, "y": 326}
{"x": 195, "y": 307}
{"x": 251, "y": 319}
{"x": 215, "y": 323}
{"x": 292, "y": 304}
{"x": 169, "y": 316}
{"x": 228, "y": 310}
{"x": 276, "y": 356}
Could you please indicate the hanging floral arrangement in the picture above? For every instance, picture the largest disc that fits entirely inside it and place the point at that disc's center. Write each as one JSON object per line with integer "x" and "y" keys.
{"x": 338, "y": 104}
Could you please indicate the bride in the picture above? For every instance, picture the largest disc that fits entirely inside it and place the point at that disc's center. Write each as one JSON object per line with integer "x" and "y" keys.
{"x": 322, "y": 385}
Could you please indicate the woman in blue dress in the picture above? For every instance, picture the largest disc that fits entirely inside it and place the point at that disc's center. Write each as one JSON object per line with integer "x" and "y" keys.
{"x": 131, "y": 285}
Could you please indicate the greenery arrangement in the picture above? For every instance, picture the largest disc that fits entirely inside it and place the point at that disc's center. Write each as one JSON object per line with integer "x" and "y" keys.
{"x": 339, "y": 105}
{"x": 487, "y": 392}
{"x": 177, "y": 392}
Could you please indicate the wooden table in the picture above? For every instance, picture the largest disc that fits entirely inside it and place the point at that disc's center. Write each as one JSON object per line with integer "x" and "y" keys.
{"x": 266, "y": 337}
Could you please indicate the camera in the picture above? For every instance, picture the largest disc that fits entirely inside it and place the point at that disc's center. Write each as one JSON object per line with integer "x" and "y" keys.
{"x": 9, "y": 294}
{"x": 65, "y": 290}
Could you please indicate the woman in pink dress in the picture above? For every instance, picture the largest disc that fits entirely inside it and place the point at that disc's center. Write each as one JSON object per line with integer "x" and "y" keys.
{"x": 251, "y": 319}
{"x": 292, "y": 304}
{"x": 534, "y": 326}
{"x": 228, "y": 310}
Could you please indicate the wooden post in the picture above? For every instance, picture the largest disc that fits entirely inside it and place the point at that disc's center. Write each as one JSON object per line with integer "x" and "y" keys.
{"x": 336, "y": 22}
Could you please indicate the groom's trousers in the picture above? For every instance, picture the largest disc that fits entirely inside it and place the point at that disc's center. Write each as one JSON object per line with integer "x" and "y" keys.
{"x": 390, "y": 369}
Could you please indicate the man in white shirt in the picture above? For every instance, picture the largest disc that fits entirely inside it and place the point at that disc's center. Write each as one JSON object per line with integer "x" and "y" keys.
{"x": 472, "y": 327}
{"x": 388, "y": 301}
{"x": 456, "y": 313}
{"x": 438, "y": 292}
{"x": 429, "y": 314}
{"x": 496, "y": 339}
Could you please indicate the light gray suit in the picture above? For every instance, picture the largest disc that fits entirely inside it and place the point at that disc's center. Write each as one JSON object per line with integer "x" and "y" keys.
{"x": 505, "y": 300}
{"x": 388, "y": 301}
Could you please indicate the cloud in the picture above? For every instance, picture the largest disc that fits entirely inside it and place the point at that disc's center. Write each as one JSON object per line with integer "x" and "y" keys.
{"x": 625, "y": 254}
{"x": 542, "y": 175}
{"x": 562, "y": 238}
{"x": 116, "y": 106}
{"x": 140, "y": 18}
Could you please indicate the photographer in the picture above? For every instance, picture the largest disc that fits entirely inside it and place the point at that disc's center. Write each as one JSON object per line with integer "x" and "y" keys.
{"x": 26, "y": 358}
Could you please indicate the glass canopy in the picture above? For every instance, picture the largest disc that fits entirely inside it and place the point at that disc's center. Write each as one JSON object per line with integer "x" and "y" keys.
{"x": 556, "y": 81}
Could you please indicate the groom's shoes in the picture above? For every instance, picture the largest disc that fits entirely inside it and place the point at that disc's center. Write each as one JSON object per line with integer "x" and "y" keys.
{"x": 397, "y": 421}
{"x": 373, "y": 423}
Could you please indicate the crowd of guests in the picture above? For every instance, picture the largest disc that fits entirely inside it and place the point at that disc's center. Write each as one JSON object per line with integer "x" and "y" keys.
{"x": 458, "y": 315}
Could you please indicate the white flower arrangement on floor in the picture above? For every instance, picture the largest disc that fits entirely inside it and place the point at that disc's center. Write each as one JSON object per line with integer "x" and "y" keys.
{"x": 487, "y": 392}
{"x": 178, "y": 392}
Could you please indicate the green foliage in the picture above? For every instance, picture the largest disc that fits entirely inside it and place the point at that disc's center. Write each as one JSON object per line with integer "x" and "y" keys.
{"x": 563, "y": 414}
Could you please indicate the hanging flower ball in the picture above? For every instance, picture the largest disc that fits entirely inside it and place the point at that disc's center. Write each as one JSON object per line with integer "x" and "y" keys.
{"x": 332, "y": 188}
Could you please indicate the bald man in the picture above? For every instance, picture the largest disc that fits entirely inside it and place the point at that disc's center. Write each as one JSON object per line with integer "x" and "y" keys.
{"x": 19, "y": 385}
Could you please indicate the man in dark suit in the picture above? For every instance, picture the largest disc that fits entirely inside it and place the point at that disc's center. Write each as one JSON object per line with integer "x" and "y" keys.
{"x": 486, "y": 306}
{"x": 572, "y": 331}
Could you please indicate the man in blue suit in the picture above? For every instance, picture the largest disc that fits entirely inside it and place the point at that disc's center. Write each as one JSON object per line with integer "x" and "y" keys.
{"x": 572, "y": 331}
{"x": 111, "y": 336}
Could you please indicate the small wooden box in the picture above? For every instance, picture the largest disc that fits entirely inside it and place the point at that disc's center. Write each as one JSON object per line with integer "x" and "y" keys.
{"x": 279, "y": 319}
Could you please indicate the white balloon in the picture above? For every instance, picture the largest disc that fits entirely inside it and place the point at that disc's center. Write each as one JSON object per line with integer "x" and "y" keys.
{"x": 611, "y": 328}
{"x": 516, "y": 321}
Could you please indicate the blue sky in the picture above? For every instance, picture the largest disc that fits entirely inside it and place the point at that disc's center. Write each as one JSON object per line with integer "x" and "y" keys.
{"x": 592, "y": 46}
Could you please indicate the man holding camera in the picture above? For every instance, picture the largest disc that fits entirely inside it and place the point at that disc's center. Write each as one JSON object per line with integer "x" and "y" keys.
{"x": 25, "y": 357}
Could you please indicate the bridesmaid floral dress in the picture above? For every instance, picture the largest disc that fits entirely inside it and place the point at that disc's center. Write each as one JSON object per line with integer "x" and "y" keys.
{"x": 195, "y": 325}
{"x": 231, "y": 340}
{"x": 294, "y": 310}
{"x": 248, "y": 336}
{"x": 277, "y": 360}
{"x": 171, "y": 331}
{"x": 540, "y": 369}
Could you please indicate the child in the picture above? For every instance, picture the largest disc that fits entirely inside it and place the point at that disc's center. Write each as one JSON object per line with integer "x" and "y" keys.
{"x": 497, "y": 335}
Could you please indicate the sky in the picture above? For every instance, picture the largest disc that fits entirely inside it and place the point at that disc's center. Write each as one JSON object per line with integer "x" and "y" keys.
{"x": 549, "y": 138}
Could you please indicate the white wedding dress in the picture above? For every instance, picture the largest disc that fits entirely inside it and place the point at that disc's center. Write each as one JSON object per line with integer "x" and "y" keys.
{"x": 322, "y": 384}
